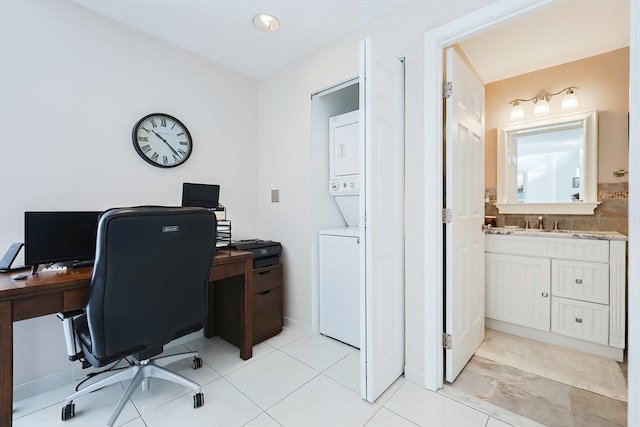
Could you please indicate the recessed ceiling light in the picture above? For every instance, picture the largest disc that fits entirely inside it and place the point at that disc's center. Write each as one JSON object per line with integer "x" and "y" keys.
{"x": 265, "y": 22}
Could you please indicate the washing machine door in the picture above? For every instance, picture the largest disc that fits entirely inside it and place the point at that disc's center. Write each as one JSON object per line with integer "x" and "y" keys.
{"x": 339, "y": 287}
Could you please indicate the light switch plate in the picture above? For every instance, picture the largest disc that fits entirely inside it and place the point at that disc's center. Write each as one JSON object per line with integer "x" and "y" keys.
{"x": 275, "y": 196}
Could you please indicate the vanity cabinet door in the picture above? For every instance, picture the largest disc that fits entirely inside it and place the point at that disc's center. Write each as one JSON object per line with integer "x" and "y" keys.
{"x": 518, "y": 290}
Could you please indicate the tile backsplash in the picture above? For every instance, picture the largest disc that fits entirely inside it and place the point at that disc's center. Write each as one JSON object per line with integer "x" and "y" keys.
{"x": 611, "y": 215}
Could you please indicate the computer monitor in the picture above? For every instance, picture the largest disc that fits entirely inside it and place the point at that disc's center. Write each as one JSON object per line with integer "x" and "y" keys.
{"x": 52, "y": 237}
{"x": 200, "y": 195}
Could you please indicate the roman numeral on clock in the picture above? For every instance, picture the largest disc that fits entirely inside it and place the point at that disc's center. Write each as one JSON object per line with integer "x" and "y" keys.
{"x": 161, "y": 140}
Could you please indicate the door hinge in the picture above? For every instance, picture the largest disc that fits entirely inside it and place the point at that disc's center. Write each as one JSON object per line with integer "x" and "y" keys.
{"x": 446, "y": 216}
{"x": 446, "y": 341}
{"x": 447, "y": 88}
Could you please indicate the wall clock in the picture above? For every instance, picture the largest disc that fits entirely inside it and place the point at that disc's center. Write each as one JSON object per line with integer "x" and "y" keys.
{"x": 162, "y": 140}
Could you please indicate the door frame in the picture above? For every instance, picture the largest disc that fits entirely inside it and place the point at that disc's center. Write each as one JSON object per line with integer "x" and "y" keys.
{"x": 436, "y": 41}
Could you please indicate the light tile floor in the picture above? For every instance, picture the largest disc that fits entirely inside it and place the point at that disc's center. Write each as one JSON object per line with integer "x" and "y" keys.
{"x": 291, "y": 380}
{"x": 537, "y": 398}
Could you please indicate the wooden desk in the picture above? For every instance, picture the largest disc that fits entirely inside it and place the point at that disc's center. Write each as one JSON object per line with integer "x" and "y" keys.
{"x": 53, "y": 292}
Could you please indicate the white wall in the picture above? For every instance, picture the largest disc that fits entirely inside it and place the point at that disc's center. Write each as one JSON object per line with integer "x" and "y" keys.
{"x": 72, "y": 85}
{"x": 286, "y": 156}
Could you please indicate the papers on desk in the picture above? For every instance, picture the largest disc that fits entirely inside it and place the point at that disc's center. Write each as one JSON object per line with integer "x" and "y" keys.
{"x": 221, "y": 212}
{"x": 223, "y": 234}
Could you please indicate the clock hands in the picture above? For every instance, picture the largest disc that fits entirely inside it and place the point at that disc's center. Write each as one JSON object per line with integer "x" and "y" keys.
{"x": 167, "y": 129}
{"x": 165, "y": 141}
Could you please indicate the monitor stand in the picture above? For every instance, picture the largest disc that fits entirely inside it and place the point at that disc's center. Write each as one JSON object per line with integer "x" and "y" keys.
{"x": 9, "y": 257}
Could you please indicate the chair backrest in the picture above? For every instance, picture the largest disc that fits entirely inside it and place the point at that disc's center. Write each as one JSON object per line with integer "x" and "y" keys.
{"x": 149, "y": 282}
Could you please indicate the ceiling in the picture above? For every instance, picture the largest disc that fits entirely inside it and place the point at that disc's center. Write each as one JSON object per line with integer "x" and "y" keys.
{"x": 221, "y": 30}
{"x": 562, "y": 32}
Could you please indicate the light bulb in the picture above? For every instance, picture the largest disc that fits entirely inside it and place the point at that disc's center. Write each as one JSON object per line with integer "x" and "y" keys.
{"x": 570, "y": 100}
{"x": 517, "y": 112}
{"x": 542, "y": 106}
{"x": 264, "y": 22}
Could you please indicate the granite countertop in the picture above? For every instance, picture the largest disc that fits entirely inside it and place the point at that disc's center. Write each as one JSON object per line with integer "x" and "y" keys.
{"x": 566, "y": 234}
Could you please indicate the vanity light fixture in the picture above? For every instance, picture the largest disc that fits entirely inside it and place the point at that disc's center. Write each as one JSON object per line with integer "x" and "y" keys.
{"x": 542, "y": 106}
{"x": 570, "y": 100}
{"x": 541, "y": 101}
{"x": 517, "y": 112}
{"x": 265, "y": 22}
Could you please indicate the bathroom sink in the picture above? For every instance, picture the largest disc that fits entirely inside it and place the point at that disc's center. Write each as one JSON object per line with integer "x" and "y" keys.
{"x": 577, "y": 234}
{"x": 538, "y": 230}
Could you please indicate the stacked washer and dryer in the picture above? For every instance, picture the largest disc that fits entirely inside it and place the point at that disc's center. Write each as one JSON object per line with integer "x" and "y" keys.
{"x": 339, "y": 252}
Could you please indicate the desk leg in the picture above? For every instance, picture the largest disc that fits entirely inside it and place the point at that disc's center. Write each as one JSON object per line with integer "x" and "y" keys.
{"x": 210, "y": 321}
{"x": 246, "y": 313}
{"x": 6, "y": 363}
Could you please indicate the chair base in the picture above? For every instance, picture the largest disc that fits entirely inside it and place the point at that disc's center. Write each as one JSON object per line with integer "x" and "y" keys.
{"x": 139, "y": 374}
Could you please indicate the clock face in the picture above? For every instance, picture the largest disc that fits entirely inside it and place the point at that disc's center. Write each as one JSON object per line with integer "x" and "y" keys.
{"x": 162, "y": 140}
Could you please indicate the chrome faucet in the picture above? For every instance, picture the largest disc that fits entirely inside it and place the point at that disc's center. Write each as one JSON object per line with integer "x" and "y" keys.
{"x": 540, "y": 224}
{"x": 526, "y": 224}
{"x": 555, "y": 225}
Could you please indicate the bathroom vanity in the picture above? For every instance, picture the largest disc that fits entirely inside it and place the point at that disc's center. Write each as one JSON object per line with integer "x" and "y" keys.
{"x": 561, "y": 287}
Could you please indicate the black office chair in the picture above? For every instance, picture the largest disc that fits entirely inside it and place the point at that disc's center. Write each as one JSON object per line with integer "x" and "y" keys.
{"x": 148, "y": 287}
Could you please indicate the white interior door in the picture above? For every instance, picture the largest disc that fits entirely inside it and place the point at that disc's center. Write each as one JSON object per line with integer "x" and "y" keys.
{"x": 464, "y": 201}
{"x": 382, "y": 219}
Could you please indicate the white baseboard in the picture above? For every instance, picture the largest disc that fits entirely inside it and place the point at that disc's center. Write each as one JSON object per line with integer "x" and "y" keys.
{"x": 59, "y": 379}
{"x": 298, "y": 327}
{"x": 43, "y": 384}
{"x": 415, "y": 376}
{"x": 556, "y": 339}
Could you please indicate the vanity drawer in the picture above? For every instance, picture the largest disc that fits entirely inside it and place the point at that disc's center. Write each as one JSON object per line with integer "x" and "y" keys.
{"x": 549, "y": 247}
{"x": 579, "y": 319}
{"x": 586, "y": 281}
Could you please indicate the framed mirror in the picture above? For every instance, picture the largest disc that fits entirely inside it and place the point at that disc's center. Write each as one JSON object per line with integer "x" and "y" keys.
{"x": 549, "y": 165}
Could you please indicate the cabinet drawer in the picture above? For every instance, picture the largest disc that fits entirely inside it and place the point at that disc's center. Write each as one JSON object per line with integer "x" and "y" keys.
{"x": 267, "y": 314}
{"x": 267, "y": 278}
{"x": 218, "y": 272}
{"x": 578, "y": 319}
{"x": 549, "y": 247}
{"x": 586, "y": 281}
{"x": 75, "y": 299}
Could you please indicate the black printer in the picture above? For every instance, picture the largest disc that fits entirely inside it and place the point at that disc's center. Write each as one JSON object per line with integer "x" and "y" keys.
{"x": 265, "y": 252}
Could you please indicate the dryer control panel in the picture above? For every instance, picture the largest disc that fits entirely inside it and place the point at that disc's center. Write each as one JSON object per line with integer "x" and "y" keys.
{"x": 344, "y": 153}
{"x": 344, "y": 186}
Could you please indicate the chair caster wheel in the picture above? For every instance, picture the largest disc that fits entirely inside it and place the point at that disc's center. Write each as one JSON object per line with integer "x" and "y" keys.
{"x": 68, "y": 411}
{"x": 197, "y": 362}
{"x": 198, "y": 400}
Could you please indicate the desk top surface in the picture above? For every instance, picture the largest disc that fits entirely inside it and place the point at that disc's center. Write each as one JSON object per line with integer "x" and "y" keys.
{"x": 72, "y": 278}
